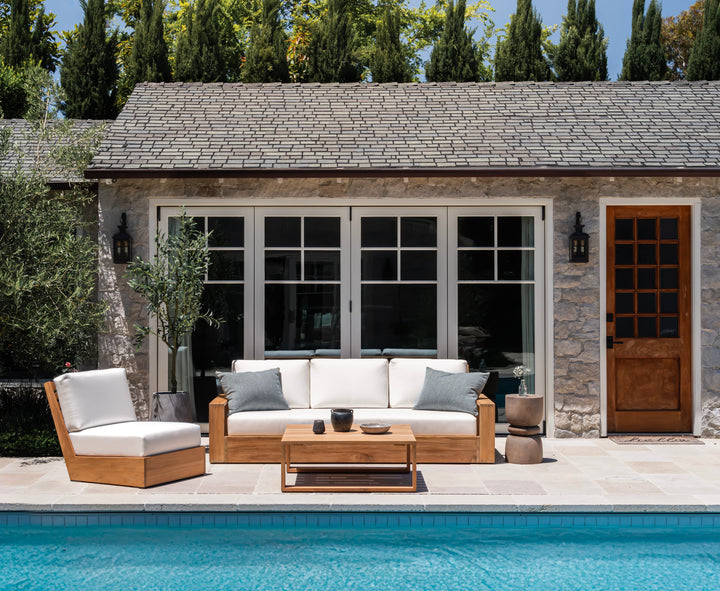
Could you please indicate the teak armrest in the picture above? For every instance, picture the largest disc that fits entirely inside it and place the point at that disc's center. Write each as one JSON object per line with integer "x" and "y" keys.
{"x": 217, "y": 428}
{"x": 486, "y": 428}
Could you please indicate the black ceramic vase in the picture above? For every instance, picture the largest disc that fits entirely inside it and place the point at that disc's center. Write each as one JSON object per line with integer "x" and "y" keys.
{"x": 319, "y": 427}
{"x": 341, "y": 419}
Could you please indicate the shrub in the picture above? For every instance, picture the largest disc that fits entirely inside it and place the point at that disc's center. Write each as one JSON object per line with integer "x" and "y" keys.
{"x": 26, "y": 425}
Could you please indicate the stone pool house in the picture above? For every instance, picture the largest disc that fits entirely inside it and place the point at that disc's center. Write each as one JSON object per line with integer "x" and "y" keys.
{"x": 436, "y": 219}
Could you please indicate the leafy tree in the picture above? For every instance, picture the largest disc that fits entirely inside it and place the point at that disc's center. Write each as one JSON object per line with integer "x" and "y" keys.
{"x": 149, "y": 56}
{"x": 89, "y": 72}
{"x": 677, "y": 36}
{"x": 520, "y": 56}
{"x": 13, "y": 96}
{"x": 387, "y": 61}
{"x": 15, "y": 47}
{"x": 582, "y": 51}
{"x": 455, "y": 56}
{"x": 21, "y": 43}
{"x": 644, "y": 56}
{"x": 48, "y": 267}
{"x": 332, "y": 48}
{"x": 172, "y": 284}
{"x": 704, "y": 61}
{"x": 200, "y": 54}
{"x": 266, "y": 59}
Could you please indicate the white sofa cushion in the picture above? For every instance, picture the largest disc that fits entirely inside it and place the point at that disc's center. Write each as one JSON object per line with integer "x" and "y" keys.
{"x": 348, "y": 383}
{"x": 423, "y": 422}
{"x": 294, "y": 374}
{"x": 135, "y": 438}
{"x": 407, "y": 376}
{"x": 94, "y": 398}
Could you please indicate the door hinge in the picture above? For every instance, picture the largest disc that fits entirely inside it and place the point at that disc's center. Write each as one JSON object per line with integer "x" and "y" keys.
{"x": 350, "y": 306}
{"x": 543, "y": 213}
{"x": 609, "y": 317}
{"x": 610, "y": 340}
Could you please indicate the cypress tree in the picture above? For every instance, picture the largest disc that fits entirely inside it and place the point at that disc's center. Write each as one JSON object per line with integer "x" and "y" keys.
{"x": 42, "y": 41}
{"x": 644, "y": 56}
{"x": 387, "y": 60}
{"x": 266, "y": 59}
{"x": 89, "y": 72}
{"x": 149, "y": 54}
{"x": 332, "y": 46}
{"x": 582, "y": 52}
{"x": 200, "y": 55}
{"x": 16, "y": 48}
{"x": 455, "y": 57}
{"x": 705, "y": 55}
{"x": 519, "y": 56}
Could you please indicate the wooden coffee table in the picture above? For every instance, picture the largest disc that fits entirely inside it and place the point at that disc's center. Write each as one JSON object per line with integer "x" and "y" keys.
{"x": 352, "y": 446}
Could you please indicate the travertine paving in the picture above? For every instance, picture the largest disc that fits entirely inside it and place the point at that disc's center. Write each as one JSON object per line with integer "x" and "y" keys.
{"x": 576, "y": 475}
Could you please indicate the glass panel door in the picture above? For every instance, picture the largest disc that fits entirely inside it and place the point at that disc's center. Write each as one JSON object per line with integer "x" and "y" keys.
{"x": 299, "y": 282}
{"x": 496, "y": 290}
{"x": 399, "y": 290}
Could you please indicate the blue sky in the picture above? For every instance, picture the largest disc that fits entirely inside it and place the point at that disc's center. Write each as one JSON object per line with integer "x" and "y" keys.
{"x": 613, "y": 14}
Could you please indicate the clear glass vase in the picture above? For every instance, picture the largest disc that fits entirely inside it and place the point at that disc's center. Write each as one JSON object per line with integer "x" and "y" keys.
{"x": 522, "y": 388}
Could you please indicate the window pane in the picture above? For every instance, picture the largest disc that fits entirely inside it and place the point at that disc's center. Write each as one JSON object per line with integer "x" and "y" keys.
{"x": 379, "y": 265}
{"x": 624, "y": 303}
{"x": 668, "y": 303}
{"x": 322, "y": 265}
{"x": 647, "y": 327}
{"x": 302, "y": 317}
{"x": 514, "y": 265}
{"x": 668, "y": 229}
{"x": 478, "y": 231}
{"x": 624, "y": 230}
{"x": 476, "y": 265}
{"x": 668, "y": 278}
{"x": 418, "y": 232}
{"x": 624, "y": 254}
{"x": 624, "y": 279}
{"x": 418, "y": 265}
{"x": 668, "y": 327}
{"x": 646, "y": 254}
{"x": 282, "y": 231}
{"x": 400, "y": 316}
{"x": 282, "y": 265}
{"x": 646, "y": 229}
{"x": 516, "y": 231}
{"x": 646, "y": 303}
{"x": 226, "y": 265}
{"x": 668, "y": 254}
{"x": 378, "y": 232}
{"x": 226, "y": 232}
{"x": 322, "y": 232}
{"x": 646, "y": 278}
{"x": 624, "y": 327}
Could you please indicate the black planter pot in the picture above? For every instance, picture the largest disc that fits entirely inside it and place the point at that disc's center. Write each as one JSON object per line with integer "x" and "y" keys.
{"x": 341, "y": 419}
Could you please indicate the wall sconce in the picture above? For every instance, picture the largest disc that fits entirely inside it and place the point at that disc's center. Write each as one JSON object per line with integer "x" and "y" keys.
{"x": 122, "y": 244}
{"x": 579, "y": 242}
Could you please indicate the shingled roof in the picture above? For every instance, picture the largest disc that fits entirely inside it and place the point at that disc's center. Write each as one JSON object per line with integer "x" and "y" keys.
{"x": 489, "y": 128}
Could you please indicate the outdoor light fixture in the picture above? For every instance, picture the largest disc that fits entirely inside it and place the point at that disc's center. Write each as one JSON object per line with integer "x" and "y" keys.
{"x": 122, "y": 244}
{"x": 579, "y": 242}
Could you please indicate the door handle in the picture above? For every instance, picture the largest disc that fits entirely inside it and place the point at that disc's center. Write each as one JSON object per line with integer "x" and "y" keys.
{"x": 611, "y": 342}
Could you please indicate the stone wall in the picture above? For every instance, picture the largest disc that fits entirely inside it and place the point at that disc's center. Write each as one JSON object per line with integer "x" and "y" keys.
{"x": 575, "y": 289}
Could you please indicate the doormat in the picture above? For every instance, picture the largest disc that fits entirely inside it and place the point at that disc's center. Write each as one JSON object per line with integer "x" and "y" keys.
{"x": 655, "y": 439}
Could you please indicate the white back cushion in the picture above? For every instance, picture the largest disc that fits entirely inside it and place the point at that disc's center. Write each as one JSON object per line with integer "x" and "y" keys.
{"x": 406, "y": 377}
{"x": 94, "y": 398}
{"x": 294, "y": 375}
{"x": 348, "y": 383}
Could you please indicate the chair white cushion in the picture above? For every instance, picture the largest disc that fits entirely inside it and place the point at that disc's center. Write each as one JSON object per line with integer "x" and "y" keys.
{"x": 135, "y": 438}
{"x": 423, "y": 422}
{"x": 406, "y": 377}
{"x": 294, "y": 375}
{"x": 94, "y": 398}
{"x": 348, "y": 383}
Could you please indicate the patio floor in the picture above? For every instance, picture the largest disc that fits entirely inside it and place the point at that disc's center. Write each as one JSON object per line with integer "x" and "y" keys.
{"x": 576, "y": 475}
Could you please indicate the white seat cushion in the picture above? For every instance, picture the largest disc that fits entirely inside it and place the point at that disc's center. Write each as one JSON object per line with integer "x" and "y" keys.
{"x": 294, "y": 375}
{"x": 348, "y": 383}
{"x": 406, "y": 377}
{"x": 423, "y": 422}
{"x": 94, "y": 398}
{"x": 136, "y": 438}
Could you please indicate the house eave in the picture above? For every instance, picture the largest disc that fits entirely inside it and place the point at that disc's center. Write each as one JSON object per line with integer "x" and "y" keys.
{"x": 537, "y": 172}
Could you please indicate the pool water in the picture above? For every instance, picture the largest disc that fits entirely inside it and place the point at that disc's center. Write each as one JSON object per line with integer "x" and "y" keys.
{"x": 394, "y": 557}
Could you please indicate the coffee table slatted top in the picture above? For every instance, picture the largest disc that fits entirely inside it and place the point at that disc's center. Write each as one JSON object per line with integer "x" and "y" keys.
{"x": 401, "y": 434}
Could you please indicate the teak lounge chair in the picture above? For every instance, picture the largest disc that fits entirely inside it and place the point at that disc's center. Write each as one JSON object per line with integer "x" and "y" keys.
{"x": 103, "y": 442}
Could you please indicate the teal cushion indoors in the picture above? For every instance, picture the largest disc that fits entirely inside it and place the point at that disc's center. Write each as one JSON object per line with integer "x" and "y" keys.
{"x": 455, "y": 392}
{"x": 253, "y": 390}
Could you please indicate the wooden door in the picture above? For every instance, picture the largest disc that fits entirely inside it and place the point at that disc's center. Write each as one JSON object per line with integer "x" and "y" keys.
{"x": 648, "y": 319}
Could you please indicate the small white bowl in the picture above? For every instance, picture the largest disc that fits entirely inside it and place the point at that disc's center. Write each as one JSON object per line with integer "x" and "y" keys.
{"x": 375, "y": 428}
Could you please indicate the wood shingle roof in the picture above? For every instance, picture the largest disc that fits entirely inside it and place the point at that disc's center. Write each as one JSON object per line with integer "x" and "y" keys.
{"x": 524, "y": 128}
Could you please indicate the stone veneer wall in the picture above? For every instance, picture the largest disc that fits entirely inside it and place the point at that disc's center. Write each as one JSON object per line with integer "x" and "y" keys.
{"x": 575, "y": 287}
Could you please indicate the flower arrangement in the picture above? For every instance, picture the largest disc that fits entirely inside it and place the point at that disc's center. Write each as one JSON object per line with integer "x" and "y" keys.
{"x": 520, "y": 372}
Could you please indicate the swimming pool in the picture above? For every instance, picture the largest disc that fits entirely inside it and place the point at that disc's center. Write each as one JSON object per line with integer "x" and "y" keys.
{"x": 398, "y": 551}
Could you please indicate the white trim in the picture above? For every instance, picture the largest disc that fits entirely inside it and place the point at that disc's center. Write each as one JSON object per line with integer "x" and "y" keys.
{"x": 549, "y": 301}
{"x": 695, "y": 204}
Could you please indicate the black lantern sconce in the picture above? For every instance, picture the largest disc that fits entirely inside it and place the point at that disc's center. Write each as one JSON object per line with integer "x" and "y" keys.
{"x": 579, "y": 242}
{"x": 122, "y": 244}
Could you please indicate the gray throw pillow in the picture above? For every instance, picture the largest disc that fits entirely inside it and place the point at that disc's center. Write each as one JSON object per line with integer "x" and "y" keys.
{"x": 450, "y": 391}
{"x": 253, "y": 390}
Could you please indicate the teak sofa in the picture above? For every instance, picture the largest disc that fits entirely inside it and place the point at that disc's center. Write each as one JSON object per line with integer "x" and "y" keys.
{"x": 378, "y": 391}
